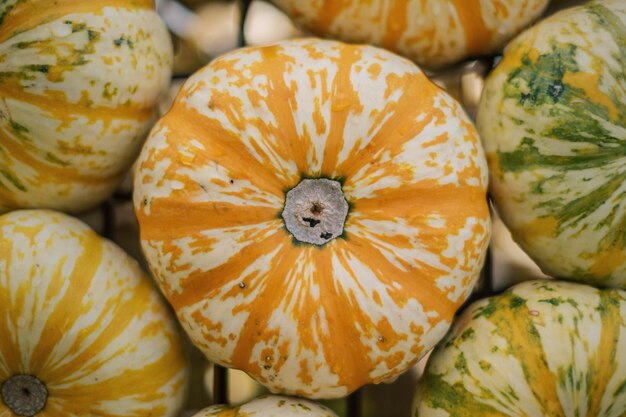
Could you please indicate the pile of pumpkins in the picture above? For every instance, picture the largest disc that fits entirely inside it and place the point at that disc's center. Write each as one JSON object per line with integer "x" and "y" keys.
{"x": 315, "y": 212}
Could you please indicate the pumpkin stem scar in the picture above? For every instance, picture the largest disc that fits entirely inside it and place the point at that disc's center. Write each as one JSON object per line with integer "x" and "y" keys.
{"x": 24, "y": 395}
{"x": 315, "y": 211}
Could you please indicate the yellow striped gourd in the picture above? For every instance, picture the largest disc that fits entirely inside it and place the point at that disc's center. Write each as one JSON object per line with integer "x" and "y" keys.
{"x": 541, "y": 349}
{"x": 82, "y": 330}
{"x": 79, "y": 82}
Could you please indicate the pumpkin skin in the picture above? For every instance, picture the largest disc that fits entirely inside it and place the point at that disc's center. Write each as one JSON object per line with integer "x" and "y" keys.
{"x": 543, "y": 348}
{"x": 269, "y": 406}
{"x": 417, "y": 29}
{"x": 553, "y": 120}
{"x": 307, "y": 319}
{"x": 79, "y": 81}
{"x": 78, "y": 314}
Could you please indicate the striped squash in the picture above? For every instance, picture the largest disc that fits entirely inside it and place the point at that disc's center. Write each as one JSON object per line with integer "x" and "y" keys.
{"x": 269, "y": 406}
{"x": 542, "y": 348}
{"x": 433, "y": 33}
{"x": 79, "y": 81}
{"x": 315, "y": 213}
{"x": 553, "y": 122}
{"x": 82, "y": 330}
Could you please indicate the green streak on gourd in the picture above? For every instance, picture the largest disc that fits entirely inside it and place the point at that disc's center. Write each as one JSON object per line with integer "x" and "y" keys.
{"x": 608, "y": 21}
{"x": 455, "y": 399}
{"x": 13, "y": 180}
{"x": 19, "y": 129}
{"x": 467, "y": 334}
{"x": 50, "y": 157}
{"x": 487, "y": 310}
{"x": 516, "y": 302}
{"x": 578, "y": 209}
{"x": 537, "y": 83}
{"x": 557, "y": 301}
{"x": 73, "y": 58}
{"x": 616, "y": 234}
{"x": 5, "y": 8}
{"x": 461, "y": 364}
{"x": 539, "y": 87}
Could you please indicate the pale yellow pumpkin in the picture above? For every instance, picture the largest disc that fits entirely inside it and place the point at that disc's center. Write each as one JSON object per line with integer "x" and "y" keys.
{"x": 315, "y": 212}
{"x": 79, "y": 82}
{"x": 82, "y": 330}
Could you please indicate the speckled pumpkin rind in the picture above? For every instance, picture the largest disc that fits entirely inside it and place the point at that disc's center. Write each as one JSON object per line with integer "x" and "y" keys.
{"x": 78, "y": 313}
{"x": 543, "y": 348}
{"x": 269, "y": 406}
{"x": 553, "y": 122}
{"x": 79, "y": 82}
{"x": 433, "y": 33}
{"x": 317, "y": 321}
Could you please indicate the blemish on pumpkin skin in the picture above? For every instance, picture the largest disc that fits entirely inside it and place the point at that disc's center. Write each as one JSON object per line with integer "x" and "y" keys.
{"x": 304, "y": 374}
{"x": 376, "y": 298}
{"x": 374, "y": 70}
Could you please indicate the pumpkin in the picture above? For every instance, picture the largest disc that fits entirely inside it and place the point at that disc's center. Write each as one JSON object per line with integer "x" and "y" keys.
{"x": 269, "y": 406}
{"x": 542, "y": 348}
{"x": 82, "y": 330}
{"x": 433, "y": 33}
{"x": 315, "y": 213}
{"x": 79, "y": 81}
{"x": 553, "y": 122}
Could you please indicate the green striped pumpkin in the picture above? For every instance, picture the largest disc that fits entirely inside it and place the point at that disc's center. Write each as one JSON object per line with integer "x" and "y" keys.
{"x": 553, "y": 122}
{"x": 543, "y": 348}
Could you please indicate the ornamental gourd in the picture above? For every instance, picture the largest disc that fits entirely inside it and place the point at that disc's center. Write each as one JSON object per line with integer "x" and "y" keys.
{"x": 433, "y": 33}
{"x": 79, "y": 81}
{"x": 543, "y": 348}
{"x": 553, "y": 122}
{"x": 269, "y": 406}
{"x": 315, "y": 213}
{"x": 82, "y": 330}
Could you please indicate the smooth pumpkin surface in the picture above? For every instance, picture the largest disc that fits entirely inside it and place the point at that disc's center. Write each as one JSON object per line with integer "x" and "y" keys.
{"x": 79, "y": 81}
{"x": 313, "y": 319}
{"x": 269, "y": 406}
{"x": 433, "y": 33}
{"x": 553, "y": 123}
{"x": 542, "y": 348}
{"x": 78, "y": 314}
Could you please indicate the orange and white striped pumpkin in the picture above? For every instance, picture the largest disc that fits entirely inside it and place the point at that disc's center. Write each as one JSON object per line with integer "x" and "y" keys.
{"x": 79, "y": 82}
{"x": 82, "y": 330}
{"x": 269, "y": 406}
{"x": 433, "y": 33}
{"x": 315, "y": 212}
